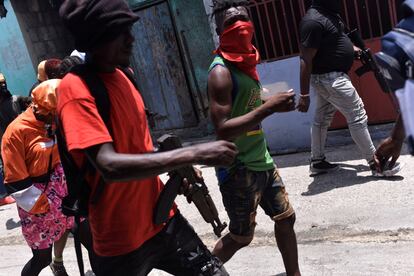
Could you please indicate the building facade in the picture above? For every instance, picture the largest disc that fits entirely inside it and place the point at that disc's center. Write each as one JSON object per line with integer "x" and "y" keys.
{"x": 171, "y": 56}
{"x": 277, "y": 39}
{"x": 174, "y": 46}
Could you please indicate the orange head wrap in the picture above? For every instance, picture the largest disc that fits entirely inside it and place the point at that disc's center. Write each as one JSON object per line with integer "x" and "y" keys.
{"x": 44, "y": 96}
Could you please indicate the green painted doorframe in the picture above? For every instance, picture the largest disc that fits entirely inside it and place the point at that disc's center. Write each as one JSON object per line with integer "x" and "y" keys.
{"x": 196, "y": 45}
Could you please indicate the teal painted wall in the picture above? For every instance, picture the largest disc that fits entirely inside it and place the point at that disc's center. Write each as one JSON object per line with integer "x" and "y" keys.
{"x": 15, "y": 62}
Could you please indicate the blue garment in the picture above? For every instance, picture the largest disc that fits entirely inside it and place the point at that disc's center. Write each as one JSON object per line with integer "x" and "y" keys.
{"x": 3, "y": 192}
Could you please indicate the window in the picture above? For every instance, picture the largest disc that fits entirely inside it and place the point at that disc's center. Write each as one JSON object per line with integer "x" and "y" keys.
{"x": 277, "y": 21}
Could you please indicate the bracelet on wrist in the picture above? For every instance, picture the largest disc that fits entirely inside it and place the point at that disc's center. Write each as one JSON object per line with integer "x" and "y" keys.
{"x": 305, "y": 95}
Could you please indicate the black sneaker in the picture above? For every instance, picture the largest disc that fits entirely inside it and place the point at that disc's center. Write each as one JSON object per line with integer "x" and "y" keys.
{"x": 321, "y": 166}
{"x": 58, "y": 269}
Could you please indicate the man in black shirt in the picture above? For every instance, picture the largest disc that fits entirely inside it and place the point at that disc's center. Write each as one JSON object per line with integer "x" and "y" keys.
{"x": 327, "y": 54}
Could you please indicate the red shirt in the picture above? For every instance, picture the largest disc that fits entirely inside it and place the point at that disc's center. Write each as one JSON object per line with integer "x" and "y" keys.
{"x": 121, "y": 221}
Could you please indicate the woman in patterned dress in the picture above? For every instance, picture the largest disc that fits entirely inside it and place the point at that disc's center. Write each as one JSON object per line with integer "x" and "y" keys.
{"x": 29, "y": 151}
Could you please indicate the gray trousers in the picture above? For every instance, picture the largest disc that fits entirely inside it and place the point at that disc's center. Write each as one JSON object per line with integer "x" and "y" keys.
{"x": 334, "y": 91}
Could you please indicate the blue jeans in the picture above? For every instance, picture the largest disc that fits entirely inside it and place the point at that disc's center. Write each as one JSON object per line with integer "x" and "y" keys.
{"x": 334, "y": 91}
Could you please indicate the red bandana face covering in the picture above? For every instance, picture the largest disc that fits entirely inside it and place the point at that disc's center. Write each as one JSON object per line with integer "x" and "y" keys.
{"x": 236, "y": 46}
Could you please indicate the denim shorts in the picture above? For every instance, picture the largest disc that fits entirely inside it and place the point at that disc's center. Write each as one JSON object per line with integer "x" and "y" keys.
{"x": 244, "y": 190}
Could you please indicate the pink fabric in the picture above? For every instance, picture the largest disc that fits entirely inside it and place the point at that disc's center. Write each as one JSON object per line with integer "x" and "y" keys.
{"x": 40, "y": 231}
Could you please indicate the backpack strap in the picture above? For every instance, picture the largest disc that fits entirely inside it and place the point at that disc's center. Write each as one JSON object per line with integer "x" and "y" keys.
{"x": 97, "y": 89}
{"x": 130, "y": 75}
{"x": 78, "y": 247}
{"x": 68, "y": 203}
{"x": 99, "y": 92}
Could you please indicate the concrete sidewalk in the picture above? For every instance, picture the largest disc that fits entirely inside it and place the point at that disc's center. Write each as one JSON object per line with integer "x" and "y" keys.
{"x": 348, "y": 223}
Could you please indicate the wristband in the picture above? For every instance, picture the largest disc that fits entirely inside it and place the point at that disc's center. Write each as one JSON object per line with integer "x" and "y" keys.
{"x": 305, "y": 96}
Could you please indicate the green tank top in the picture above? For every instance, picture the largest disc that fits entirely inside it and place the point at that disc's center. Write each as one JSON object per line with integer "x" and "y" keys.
{"x": 252, "y": 145}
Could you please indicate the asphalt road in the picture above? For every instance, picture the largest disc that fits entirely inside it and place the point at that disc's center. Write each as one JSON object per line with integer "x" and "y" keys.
{"x": 348, "y": 223}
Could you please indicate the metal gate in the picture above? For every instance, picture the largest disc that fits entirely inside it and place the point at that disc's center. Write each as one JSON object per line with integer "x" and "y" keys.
{"x": 158, "y": 63}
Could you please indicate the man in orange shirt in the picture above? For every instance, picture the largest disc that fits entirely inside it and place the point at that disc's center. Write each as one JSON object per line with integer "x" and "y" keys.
{"x": 125, "y": 238}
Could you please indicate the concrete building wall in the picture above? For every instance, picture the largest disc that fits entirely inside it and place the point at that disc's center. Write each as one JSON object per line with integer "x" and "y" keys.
{"x": 44, "y": 34}
{"x": 286, "y": 132}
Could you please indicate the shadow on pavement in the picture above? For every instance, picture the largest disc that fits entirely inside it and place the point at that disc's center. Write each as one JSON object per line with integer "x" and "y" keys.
{"x": 346, "y": 176}
{"x": 11, "y": 224}
{"x": 280, "y": 274}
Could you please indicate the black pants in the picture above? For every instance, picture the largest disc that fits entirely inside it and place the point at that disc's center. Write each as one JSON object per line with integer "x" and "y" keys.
{"x": 176, "y": 249}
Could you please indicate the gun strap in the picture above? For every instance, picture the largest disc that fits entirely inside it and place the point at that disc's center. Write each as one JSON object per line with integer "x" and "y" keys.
{"x": 78, "y": 248}
{"x": 166, "y": 199}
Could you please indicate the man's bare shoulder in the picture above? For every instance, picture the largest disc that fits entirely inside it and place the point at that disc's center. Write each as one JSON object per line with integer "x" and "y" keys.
{"x": 219, "y": 79}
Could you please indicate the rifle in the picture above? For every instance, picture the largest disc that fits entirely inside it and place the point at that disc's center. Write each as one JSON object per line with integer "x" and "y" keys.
{"x": 198, "y": 191}
{"x": 368, "y": 60}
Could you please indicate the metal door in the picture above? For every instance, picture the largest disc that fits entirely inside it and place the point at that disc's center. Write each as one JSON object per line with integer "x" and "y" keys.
{"x": 15, "y": 61}
{"x": 159, "y": 68}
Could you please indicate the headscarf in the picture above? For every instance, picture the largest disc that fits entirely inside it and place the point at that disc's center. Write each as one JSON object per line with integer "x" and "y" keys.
{"x": 96, "y": 22}
{"x": 41, "y": 74}
{"x": 52, "y": 67}
{"x": 236, "y": 46}
{"x": 44, "y": 96}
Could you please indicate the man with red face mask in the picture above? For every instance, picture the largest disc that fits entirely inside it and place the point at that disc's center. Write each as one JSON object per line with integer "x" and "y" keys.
{"x": 237, "y": 111}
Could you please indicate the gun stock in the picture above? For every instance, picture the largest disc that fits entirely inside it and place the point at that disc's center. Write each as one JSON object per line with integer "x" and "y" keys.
{"x": 198, "y": 191}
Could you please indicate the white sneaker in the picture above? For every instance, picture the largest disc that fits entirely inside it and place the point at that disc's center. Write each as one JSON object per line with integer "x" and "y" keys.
{"x": 388, "y": 172}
